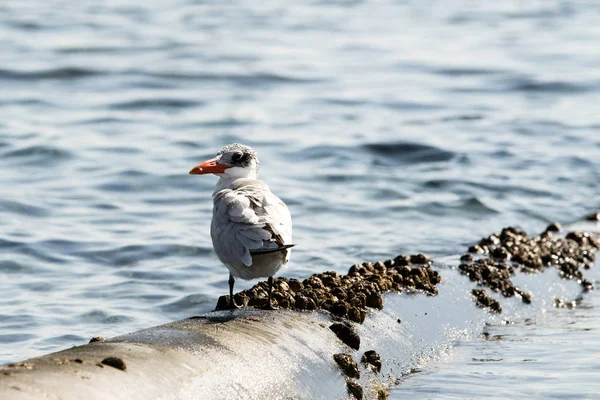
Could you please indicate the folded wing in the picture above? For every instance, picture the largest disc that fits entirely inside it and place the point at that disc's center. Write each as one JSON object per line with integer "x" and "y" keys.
{"x": 249, "y": 219}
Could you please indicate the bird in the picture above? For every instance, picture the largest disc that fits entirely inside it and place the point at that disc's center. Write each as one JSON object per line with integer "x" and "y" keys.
{"x": 251, "y": 228}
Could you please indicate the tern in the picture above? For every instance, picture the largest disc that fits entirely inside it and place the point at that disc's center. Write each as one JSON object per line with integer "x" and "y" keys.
{"x": 251, "y": 228}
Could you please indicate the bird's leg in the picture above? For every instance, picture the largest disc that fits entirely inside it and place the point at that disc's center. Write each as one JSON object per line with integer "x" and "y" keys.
{"x": 269, "y": 305}
{"x": 232, "y": 304}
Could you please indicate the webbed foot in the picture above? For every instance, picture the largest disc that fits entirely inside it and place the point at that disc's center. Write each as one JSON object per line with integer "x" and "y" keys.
{"x": 269, "y": 307}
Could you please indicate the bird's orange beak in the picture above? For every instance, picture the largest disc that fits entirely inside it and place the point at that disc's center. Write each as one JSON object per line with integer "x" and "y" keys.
{"x": 209, "y": 167}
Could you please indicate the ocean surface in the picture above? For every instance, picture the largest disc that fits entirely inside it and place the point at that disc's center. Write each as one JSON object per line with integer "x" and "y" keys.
{"x": 386, "y": 126}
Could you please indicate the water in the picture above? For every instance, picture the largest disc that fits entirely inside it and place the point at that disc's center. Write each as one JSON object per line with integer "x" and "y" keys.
{"x": 387, "y": 127}
{"x": 550, "y": 356}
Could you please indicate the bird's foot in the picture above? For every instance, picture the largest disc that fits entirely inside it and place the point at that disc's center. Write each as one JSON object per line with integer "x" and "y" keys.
{"x": 233, "y": 305}
{"x": 269, "y": 306}
{"x": 225, "y": 304}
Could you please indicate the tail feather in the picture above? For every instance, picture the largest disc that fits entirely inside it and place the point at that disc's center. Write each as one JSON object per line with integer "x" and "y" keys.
{"x": 274, "y": 250}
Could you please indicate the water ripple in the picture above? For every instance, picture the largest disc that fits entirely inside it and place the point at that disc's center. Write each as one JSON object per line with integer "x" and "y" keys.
{"x": 16, "y": 337}
{"x": 134, "y": 254}
{"x": 467, "y": 71}
{"x": 13, "y": 267}
{"x": 62, "y": 73}
{"x": 21, "y": 208}
{"x": 407, "y": 153}
{"x": 9, "y": 244}
{"x": 38, "y": 154}
{"x": 249, "y": 79}
{"x": 190, "y": 302}
{"x": 159, "y": 104}
{"x": 531, "y": 85}
{"x": 99, "y": 316}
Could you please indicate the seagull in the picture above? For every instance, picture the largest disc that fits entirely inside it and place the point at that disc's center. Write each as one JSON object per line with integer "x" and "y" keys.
{"x": 251, "y": 228}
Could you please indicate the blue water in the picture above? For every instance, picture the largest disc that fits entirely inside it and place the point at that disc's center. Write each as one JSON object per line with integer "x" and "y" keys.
{"x": 551, "y": 356}
{"x": 387, "y": 127}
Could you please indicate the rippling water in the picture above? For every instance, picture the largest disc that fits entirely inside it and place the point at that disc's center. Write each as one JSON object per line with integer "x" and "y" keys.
{"x": 387, "y": 127}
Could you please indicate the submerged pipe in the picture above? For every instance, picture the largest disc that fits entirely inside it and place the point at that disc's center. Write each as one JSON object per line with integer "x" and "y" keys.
{"x": 226, "y": 354}
{"x": 254, "y": 354}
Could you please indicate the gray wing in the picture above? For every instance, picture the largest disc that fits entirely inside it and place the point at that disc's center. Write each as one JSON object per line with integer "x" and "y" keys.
{"x": 249, "y": 219}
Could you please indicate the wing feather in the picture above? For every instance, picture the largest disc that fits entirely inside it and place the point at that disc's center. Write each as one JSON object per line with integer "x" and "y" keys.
{"x": 248, "y": 217}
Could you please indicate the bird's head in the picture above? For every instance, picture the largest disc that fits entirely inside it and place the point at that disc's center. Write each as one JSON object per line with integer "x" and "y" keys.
{"x": 232, "y": 161}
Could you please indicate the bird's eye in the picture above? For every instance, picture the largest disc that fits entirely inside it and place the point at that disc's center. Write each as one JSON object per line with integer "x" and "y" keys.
{"x": 237, "y": 156}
